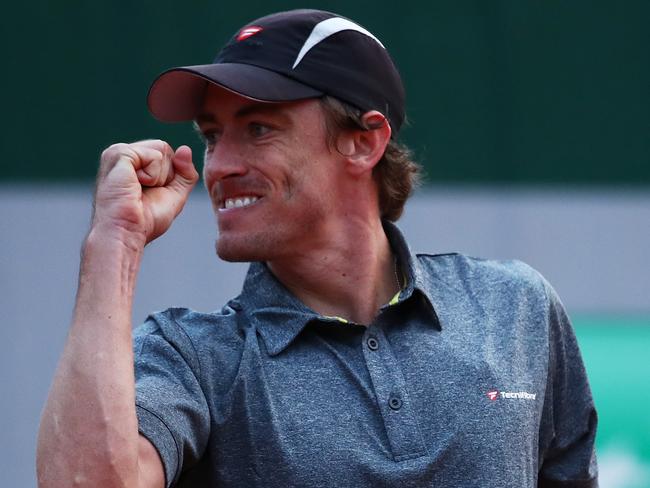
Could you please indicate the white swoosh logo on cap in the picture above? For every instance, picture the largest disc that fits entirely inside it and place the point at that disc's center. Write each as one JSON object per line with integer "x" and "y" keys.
{"x": 326, "y": 28}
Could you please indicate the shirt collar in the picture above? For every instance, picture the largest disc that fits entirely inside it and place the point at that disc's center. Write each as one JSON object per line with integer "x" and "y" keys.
{"x": 417, "y": 281}
{"x": 279, "y": 316}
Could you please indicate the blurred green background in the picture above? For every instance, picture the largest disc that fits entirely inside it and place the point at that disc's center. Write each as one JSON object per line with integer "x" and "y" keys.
{"x": 526, "y": 93}
{"x": 616, "y": 352}
{"x": 498, "y": 91}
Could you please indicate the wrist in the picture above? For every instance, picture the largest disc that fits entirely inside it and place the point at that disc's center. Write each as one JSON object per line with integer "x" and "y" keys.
{"x": 110, "y": 262}
{"x": 113, "y": 254}
{"x": 116, "y": 237}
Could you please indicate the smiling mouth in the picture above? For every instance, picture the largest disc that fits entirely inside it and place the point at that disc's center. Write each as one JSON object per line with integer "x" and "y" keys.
{"x": 239, "y": 202}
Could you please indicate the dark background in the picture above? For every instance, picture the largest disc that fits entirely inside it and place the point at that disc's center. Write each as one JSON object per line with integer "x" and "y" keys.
{"x": 498, "y": 91}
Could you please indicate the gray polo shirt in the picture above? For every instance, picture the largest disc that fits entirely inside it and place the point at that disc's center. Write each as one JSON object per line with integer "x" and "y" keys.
{"x": 472, "y": 378}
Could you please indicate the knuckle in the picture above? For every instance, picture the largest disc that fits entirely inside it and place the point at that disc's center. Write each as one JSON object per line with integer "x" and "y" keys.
{"x": 150, "y": 143}
{"x": 154, "y": 155}
{"x": 113, "y": 151}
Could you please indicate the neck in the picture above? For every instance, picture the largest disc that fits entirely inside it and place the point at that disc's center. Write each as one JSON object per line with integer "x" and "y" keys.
{"x": 350, "y": 274}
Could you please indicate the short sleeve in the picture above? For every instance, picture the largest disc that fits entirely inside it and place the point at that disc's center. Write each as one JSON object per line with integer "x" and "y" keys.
{"x": 568, "y": 427}
{"x": 171, "y": 407}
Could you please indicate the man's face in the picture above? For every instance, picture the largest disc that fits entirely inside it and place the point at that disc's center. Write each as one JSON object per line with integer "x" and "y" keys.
{"x": 270, "y": 174}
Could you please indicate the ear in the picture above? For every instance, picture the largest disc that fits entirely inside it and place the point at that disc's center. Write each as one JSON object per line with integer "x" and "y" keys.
{"x": 363, "y": 148}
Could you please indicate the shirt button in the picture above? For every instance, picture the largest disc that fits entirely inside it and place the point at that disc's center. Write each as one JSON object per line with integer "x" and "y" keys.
{"x": 395, "y": 403}
{"x": 373, "y": 344}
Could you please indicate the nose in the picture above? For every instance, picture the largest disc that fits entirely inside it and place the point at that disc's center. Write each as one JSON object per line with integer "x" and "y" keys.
{"x": 225, "y": 161}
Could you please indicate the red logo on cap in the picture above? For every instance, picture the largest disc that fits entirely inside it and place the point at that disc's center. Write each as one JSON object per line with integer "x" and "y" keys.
{"x": 492, "y": 395}
{"x": 246, "y": 32}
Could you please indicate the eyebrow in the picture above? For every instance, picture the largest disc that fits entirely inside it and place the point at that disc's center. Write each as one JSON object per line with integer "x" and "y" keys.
{"x": 275, "y": 109}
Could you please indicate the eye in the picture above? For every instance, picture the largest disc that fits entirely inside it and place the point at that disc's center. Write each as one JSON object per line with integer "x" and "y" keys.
{"x": 210, "y": 138}
{"x": 256, "y": 129}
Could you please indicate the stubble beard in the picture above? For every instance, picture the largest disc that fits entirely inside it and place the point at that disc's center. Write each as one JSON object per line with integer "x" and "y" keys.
{"x": 249, "y": 247}
{"x": 273, "y": 242}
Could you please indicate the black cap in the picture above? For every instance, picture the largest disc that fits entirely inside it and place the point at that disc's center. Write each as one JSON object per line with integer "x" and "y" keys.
{"x": 289, "y": 56}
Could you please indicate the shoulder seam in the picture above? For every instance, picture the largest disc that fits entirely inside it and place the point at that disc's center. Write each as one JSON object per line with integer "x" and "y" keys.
{"x": 196, "y": 354}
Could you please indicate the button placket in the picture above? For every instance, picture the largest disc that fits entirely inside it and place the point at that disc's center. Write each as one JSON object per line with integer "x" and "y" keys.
{"x": 392, "y": 398}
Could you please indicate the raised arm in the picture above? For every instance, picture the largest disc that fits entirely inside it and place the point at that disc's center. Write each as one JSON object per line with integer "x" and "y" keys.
{"x": 88, "y": 435}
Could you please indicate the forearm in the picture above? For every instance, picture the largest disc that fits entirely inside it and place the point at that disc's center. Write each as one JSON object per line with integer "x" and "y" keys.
{"x": 89, "y": 429}
{"x": 89, "y": 432}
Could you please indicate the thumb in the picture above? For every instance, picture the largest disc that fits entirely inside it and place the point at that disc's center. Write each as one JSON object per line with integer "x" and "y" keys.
{"x": 184, "y": 153}
{"x": 185, "y": 174}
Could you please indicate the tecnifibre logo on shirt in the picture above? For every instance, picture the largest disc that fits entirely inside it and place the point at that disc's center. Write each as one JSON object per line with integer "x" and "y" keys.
{"x": 511, "y": 395}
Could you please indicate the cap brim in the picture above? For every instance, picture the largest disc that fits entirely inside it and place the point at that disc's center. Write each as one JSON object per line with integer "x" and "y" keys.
{"x": 177, "y": 94}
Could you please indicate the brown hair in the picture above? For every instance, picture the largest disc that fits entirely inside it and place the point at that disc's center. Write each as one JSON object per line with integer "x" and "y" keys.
{"x": 396, "y": 173}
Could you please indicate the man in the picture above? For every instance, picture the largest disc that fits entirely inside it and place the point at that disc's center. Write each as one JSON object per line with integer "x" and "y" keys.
{"x": 346, "y": 360}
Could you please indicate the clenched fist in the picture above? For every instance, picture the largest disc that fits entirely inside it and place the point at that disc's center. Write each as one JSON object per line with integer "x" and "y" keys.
{"x": 141, "y": 188}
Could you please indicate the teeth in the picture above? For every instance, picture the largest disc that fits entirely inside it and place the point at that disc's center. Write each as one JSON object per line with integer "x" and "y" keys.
{"x": 239, "y": 202}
